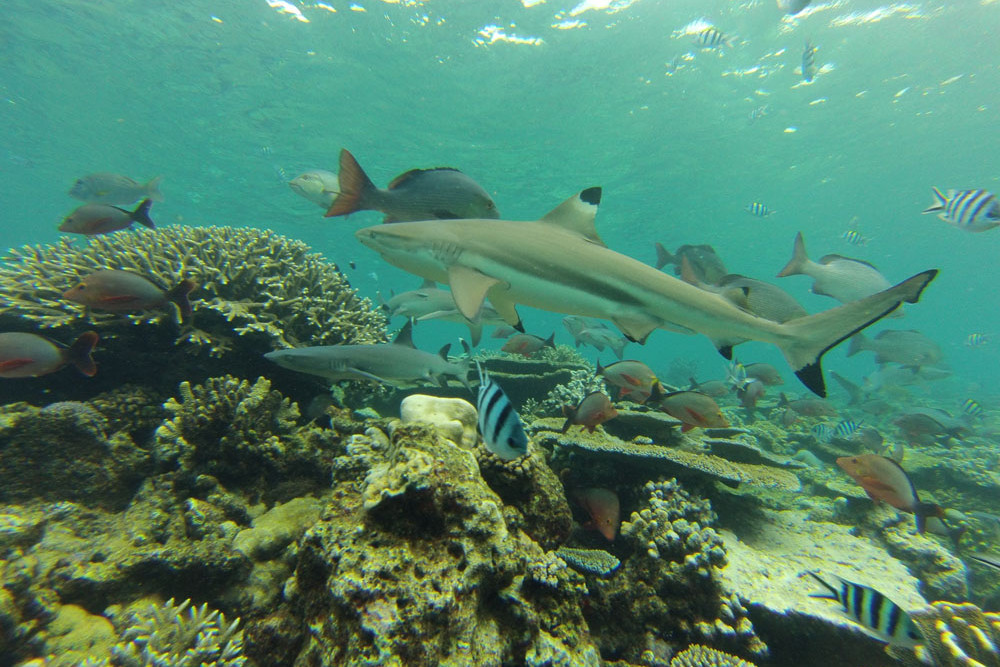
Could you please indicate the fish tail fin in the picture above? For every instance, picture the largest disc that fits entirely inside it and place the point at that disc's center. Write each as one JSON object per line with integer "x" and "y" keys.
{"x": 79, "y": 353}
{"x": 924, "y": 511}
{"x": 833, "y": 593}
{"x": 551, "y": 341}
{"x": 355, "y": 187}
{"x": 618, "y": 347}
{"x": 570, "y": 414}
{"x": 153, "y": 189}
{"x": 475, "y": 332}
{"x": 663, "y": 256}
{"x": 141, "y": 213}
{"x": 796, "y": 265}
{"x": 940, "y": 202}
{"x": 858, "y": 344}
{"x": 465, "y": 365}
{"x": 811, "y": 336}
{"x": 853, "y": 390}
{"x": 179, "y": 295}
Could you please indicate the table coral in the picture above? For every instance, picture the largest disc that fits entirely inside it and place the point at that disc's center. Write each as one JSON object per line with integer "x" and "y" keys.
{"x": 251, "y": 281}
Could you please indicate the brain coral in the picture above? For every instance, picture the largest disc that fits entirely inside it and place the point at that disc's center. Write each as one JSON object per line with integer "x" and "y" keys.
{"x": 252, "y": 281}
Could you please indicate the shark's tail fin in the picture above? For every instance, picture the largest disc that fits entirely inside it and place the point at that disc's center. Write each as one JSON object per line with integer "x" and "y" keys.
{"x": 810, "y": 337}
{"x": 355, "y": 187}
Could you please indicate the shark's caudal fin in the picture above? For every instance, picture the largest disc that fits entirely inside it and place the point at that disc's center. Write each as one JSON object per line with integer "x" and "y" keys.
{"x": 813, "y": 335}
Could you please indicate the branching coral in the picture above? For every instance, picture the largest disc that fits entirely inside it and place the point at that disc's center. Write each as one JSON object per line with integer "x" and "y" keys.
{"x": 592, "y": 561}
{"x": 703, "y": 656}
{"x": 166, "y": 635}
{"x": 251, "y": 281}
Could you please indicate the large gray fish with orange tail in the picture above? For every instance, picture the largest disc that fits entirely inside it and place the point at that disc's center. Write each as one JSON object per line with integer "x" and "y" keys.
{"x": 560, "y": 264}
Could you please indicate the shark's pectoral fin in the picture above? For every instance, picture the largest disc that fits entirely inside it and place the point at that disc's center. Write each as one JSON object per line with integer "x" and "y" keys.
{"x": 469, "y": 288}
{"x": 476, "y": 332}
{"x": 507, "y": 310}
{"x": 636, "y": 329}
{"x": 725, "y": 350}
{"x": 364, "y": 375}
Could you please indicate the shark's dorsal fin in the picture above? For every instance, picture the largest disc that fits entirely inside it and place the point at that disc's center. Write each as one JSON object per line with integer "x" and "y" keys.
{"x": 443, "y": 352}
{"x": 405, "y": 335}
{"x": 577, "y": 214}
{"x": 469, "y": 288}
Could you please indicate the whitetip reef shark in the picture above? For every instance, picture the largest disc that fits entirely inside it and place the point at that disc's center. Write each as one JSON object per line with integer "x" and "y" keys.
{"x": 560, "y": 264}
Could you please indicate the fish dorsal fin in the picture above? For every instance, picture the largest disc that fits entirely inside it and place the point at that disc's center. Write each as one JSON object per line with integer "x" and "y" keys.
{"x": 413, "y": 173}
{"x": 577, "y": 214}
{"x": 405, "y": 335}
{"x": 469, "y": 288}
{"x": 428, "y": 284}
{"x": 826, "y": 259}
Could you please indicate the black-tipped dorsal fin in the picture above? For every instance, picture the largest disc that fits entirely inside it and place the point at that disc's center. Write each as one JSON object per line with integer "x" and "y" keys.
{"x": 577, "y": 214}
{"x": 405, "y": 335}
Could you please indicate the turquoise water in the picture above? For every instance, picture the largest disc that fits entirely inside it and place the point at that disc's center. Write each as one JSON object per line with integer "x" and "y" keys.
{"x": 229, "y": 100}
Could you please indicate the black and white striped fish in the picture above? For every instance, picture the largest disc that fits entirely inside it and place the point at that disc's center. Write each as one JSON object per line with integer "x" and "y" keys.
{"x": 503, "y": 432}
{"x": 758, "y": 209}
{"x": 972, "y": 408}
{"x": 971, "y": 210}
{"x": 878, "y": 614}
{"x": 854, "y": 237}
{"x": 846, "y": 429}
{"x": 808, "y": 62}
{"x": 713, "y": 38}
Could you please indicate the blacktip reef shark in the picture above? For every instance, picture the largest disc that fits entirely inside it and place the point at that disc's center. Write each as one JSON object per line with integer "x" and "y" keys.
{"x": 560, "y": 264}
{"x": 396, "y": 363}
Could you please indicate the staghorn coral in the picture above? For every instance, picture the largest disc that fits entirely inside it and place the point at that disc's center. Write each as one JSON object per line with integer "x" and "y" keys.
{"x": 252, "y": 281}
{"x": 582, "y": 382}
{"x": 236, "y": 430}
{"x": 166, "y": 635}
{"x": 703, "y": 656}
{"x": 958, "y": 635}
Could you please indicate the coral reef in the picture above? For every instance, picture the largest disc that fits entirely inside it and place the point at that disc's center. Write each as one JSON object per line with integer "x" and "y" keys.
{"x": 239, "y": 432}
{"x": 591, "y": 561}
{"x": 958, "y": 635}
{"x": 704, "y": 656}
{"x": 454, "y": 417}
{"x": 417, "y": 565}
{"x": 62, "y": 452}
{"x": 252, "y": 281}
{"x": 582, "y": 381}
{"x": 166, "y": 635}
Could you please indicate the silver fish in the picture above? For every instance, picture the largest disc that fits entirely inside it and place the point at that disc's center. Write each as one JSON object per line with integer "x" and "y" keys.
{"x": 430, "y": 302}
{"x": 808, "y": 63}
{"x": 397, "y": 363}
{"x": 108, "y": 188}
{"x": 907, "y": 348}
{"x": 319, "y": 186}
{"x": 875, "y": 612}
{"x": 501, "y": 427}
{"x": 842, "y": 278}
{"x": 705, "y": 262}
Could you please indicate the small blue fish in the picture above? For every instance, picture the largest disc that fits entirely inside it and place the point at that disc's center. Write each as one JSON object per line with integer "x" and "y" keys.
{"x": 878, "y": 614}
{"x": 503, "y": 432}
{"x": 758, "y": 209}
{"x": 855, "y": 237}
{"x": 809, "y": 63}
{"x": 972, "y": 408}
{"x": 977, "y": 339}
{"x": 713, "y": 38}
{"x": 971, "y": 210}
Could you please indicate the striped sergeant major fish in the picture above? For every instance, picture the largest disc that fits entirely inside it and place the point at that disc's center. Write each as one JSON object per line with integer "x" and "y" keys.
{"x": 854, "y": 237}
{"x": 713, "y": 38}
{"x": 809, "y": 62}
{"x": 846, "y": 429}
{"x": 503, "y": 432}
{"x": 758, "y": 209}
{"x": 878, "y": 614}
{"x": 972, "y": 408}
{"x": 971, "y": 210}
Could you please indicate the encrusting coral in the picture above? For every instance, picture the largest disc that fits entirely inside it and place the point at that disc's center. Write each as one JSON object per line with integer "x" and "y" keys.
{"x": 958, "y": 635}
{"x": 251, "y": 281}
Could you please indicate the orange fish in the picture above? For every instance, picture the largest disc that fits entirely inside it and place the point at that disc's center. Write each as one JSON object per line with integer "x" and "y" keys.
{"x": 125, "y": 292}
{"x": 592, "y": 411}
{"x": 604, "y": 509}
{"x": 526, "y": 344}
{"x": 28, "y": 355}
{"x": 91, "y": 219}
{"x": 634, "y": 379}
{"x": 693, "y": 408}
{"x": 885, "y": 480}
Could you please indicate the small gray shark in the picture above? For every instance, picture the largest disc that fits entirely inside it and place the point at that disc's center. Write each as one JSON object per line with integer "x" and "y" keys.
{"x": 430, "y": 302}
{"x": 396, "y": 363}
{"x": 560, "y": 264}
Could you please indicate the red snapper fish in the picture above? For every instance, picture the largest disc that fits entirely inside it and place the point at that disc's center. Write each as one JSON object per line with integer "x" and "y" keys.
{"x": 591, "y": 412}
{"x": 93, "y": 219}
{"x": 29, "y": 355}
{"x": 604, "y": 509}
{"x": 885, "y": 480}
{"x": 126, "y": 292}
